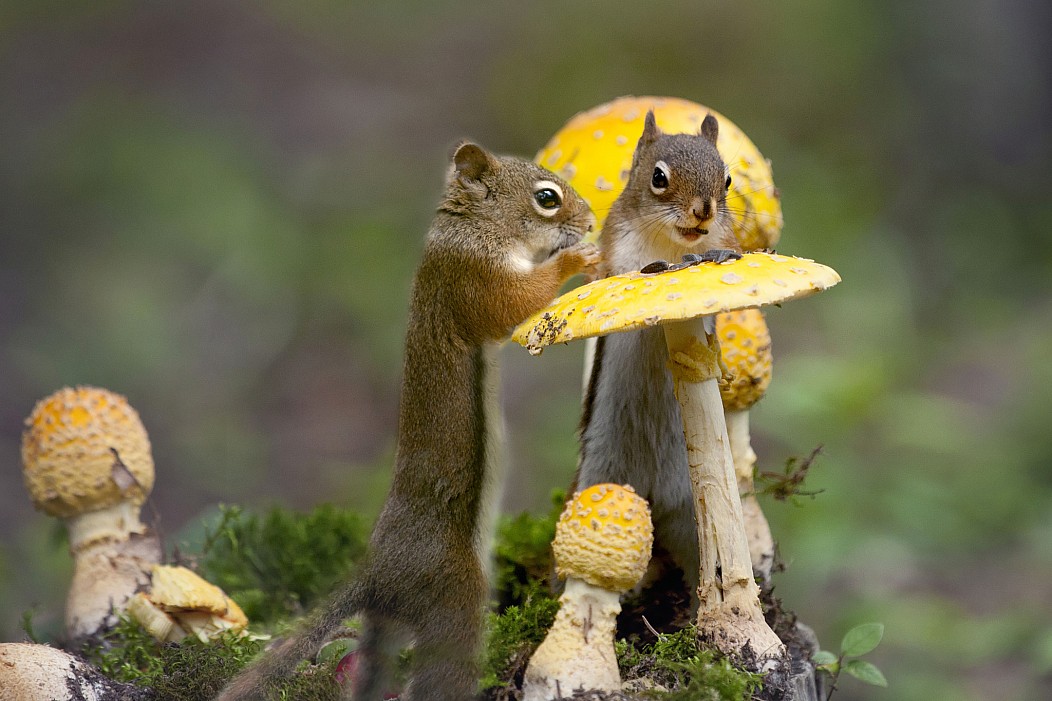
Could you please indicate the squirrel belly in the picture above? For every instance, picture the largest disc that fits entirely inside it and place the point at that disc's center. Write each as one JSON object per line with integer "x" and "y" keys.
{"x": 673, "y": 204}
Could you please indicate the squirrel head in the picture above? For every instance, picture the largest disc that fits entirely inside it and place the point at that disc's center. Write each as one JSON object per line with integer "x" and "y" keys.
{"x": 513, "y": 200}
{"x": 678, "y": 183}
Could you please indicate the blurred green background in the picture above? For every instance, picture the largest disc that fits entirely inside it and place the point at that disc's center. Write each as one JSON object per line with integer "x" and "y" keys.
{"x": 215, "y": 208}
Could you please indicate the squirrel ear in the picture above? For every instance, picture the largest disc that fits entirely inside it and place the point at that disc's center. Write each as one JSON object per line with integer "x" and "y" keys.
{"x": 710, "y": 128}
{"x": 470, "y": 162}
{"x": 650, "y": 128}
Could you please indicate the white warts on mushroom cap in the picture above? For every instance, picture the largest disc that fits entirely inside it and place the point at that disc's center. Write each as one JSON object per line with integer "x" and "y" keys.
{"x": 627, "y": 302}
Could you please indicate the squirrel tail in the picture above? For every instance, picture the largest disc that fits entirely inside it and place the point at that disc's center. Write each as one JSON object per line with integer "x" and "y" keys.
{"x": 259, "y": 677}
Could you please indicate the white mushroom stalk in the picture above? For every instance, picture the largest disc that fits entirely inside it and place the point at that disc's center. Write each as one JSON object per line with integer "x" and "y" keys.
{"x": 745, "y": 345}
{"x": 684, "y": 300}
{"x": 602, "y": 547}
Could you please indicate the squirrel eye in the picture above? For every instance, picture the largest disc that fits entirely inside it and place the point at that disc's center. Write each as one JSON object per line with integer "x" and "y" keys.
{"x": 659, "y": 180}
{"x": 728, "y": 182}
{"x": 547, "y": 198}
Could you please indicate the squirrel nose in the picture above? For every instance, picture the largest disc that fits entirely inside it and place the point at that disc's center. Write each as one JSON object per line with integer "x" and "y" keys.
{"x": 702, "y": 209}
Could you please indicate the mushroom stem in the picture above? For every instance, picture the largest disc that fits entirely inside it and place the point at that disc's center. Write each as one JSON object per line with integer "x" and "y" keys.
{"x": 758, "y": 531}
{"x": 578, "y": 651}
{"x": 729, "y": 614}
{"x": 112, "y": 556}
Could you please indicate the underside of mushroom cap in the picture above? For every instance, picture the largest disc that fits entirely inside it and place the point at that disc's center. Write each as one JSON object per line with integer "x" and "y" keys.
{"x": 637, "y": 300}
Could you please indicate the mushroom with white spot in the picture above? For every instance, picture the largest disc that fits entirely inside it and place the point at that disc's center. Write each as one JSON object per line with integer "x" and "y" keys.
{"x": 602, "y": 547}
{"x": 684, "y": 301}
{"x": 86, "y": 459}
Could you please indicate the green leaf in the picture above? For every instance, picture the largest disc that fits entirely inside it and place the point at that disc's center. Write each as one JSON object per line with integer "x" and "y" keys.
{"x": 823, "y": 657}
{"x": 861, "y": 639}
{"x": 866, "y": 672}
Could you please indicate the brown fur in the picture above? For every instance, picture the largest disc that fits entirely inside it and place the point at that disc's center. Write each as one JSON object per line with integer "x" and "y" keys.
{"x": 631, "y": 430}
{"x": 424, "y": 577}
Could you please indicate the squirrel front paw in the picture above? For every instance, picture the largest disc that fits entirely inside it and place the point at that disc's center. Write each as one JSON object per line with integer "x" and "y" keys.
{"x": 581, "y": 257}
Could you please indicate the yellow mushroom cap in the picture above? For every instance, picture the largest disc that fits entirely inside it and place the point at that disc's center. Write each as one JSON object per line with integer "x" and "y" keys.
{"x": 635, "y": 300}
{"x": 176, "y": 588}
{"x": 180, "y": 602}
{"x": 604, "y": 536}
{"x": 593, "y": 152}
{"x": 745, "y": 344}
{"x": 70, "y": 450}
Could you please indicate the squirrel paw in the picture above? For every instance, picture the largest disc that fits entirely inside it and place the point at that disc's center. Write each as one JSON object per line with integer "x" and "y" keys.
{"x": 587, "y": 257}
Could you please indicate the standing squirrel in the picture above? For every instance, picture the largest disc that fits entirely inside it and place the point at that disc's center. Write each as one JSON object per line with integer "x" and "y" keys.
{"x": 506, "y": 236}
{"x": 674, "y": 206}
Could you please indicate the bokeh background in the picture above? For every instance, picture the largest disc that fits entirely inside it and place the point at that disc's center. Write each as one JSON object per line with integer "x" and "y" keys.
{"x": 215, "y": 208}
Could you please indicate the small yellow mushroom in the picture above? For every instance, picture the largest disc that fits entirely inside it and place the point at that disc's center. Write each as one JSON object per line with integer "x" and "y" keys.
{"x": 601, "y": 547}
{"x": 181, "y": 603}
{"x": 86, "y": 459}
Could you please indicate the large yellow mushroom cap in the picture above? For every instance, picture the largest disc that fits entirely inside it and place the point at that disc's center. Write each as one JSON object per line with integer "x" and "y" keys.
{"x": 745, "y": 344}
{"x": 85, "y": 449}
{"x": 636, "y": 300}
{"x": 604, "y": 536}
{"x": 593, "y": 152}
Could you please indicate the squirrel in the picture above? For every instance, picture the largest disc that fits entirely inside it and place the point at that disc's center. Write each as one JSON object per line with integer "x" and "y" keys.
{"x": 673, "y": 206}
{"x": 506, "y": 236}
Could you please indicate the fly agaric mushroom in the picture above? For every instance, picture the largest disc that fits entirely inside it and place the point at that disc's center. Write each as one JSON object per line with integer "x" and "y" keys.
{"x": 31, "y": 672}
{"x": 86, "y": 459}
{"x": 683, "y": 300}
{"x": 745, "y": 346}
{"x": 602, "y": 547}
{"x": 181, "y": 603}
{"x": 593, "y": 152}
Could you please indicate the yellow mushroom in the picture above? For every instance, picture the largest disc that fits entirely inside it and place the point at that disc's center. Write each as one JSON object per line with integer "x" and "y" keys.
{"x": 601, "y": 547}
{"x": 181, "y": 603}
{"x": 683, "y": 301}
{"x": 593, "y": 152}
{"x": 745, "y": 345}
{"x": 86, "y": 459}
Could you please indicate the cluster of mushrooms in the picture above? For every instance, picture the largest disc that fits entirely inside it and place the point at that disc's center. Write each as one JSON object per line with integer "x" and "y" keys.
{"x": 87, "y": 460}
{"x": 719, "y": 362}
{"x": 87, "y": 457}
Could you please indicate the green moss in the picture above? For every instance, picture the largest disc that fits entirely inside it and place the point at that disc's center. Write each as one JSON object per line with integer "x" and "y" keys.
{"x": 513, "y": 634}
{"x": 277, "y": 565}
{"x": 523, "y": 552}
{"x": 196, "y": 671}
{"x": 186, "y": 671}
{"x": 690, "y": 674}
